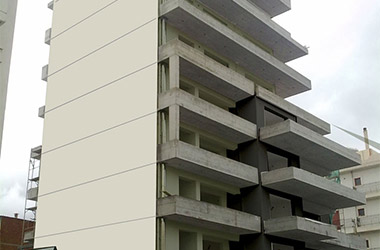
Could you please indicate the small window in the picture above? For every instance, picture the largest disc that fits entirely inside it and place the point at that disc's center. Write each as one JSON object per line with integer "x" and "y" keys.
{"x": 367, "y": 242}
{"x": 361, "y": 212}
{"x": 358, "y": 181}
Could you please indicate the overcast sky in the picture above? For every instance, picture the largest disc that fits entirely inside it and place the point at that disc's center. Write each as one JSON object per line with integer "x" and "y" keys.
{"x": 343, "y": 64}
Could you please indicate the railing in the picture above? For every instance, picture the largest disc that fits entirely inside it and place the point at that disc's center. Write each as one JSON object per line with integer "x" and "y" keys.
{"x": 369, "y": 188}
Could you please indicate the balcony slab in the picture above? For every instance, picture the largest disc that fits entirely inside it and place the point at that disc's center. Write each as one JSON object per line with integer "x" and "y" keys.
{"x": 321, "y": 154}
{"x": 206, "y": 215}
{"x": 209, "y": 31}
{"x": 198, "y": 161}
{"x": 257, "y": 24}
{"x": 311, "y": 187}
{"x": 303, "y": 117}
{"x": 273, "y": 7}
{"x": 298, "y": 228}
{"x": 196, "y": 66}
{"x": 206, "y": 116}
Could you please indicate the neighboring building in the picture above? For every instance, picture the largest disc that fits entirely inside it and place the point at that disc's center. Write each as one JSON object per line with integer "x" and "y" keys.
{"x": 7, "y": 24}
{"x": 166, "y": 128}
{"x": 364, "y": 220}
{"x": 11, "y": 233}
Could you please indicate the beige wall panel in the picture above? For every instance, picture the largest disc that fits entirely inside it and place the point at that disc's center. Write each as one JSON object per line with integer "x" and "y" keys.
{"x": 116, "y": 60}
{"x": 139, "y": 235}
{"x": 102, "y": 28}
{"x": 116, "y": 199}
{"x": 126, "y": 147}
{"x": 70, "y": 12}
{"x": 115, "y": 104}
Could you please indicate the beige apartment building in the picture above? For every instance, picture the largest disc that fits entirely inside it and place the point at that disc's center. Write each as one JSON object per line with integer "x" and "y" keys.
{"x": 7, "y": 25}
{"x": 166, "y": 127}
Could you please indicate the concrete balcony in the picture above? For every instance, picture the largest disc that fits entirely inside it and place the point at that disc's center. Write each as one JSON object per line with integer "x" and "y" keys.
{"x": 51, "y": 5}
{"x": 312, "y": 188}
{"x": 45, "y": 73}
{"x": 298, "y": 228}
{"x": 32, "y": 194}
{"x": 195, "y": 66}
{"x": 272, "y": 7}
{"x": 35, "y": 153}
{"x": 319, "y": 154}
{"x": 208, "y": 117}
{"x": 340, "y": 242}
{"x": 368, "y": 223}
{"x": 303, "y": 117}
{"x": 206, "y": 215}
{"x": 371, "y": 189}
{"x": 41, "y": 112}
{"x": 209, "y": 31}
{"x": 48, "y": 36}
{"x": 257, "y": 24}
{"x": 198, "y": 161}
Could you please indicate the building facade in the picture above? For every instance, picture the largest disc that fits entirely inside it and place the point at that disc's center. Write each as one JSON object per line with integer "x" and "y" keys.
{"x": 11, "y": 233}
{"x": 7, "y": 24}
{"x": 166, "y": 127}
{"x": 364, "y": 220}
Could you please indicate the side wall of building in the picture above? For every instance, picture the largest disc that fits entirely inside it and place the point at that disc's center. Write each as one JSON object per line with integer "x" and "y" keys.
{"x": 98, "y": 166}
{"x": 7, "y": 24}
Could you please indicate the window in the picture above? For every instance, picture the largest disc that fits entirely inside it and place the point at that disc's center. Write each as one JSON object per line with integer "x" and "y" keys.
{"x": 357, "y": 181}
{"x": 361, "y": 212}
{"x": 367, "y": 242}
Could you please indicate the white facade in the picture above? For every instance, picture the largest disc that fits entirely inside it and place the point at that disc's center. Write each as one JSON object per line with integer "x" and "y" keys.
{"x": 364, "y": 220}
{"x": 98, "y": 174}
{"x": 7, "y": 24}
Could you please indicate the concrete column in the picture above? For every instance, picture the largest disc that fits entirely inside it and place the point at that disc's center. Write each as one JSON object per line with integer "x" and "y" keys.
{"x": 174, "y": 122}
{"x": 174, "y": 72}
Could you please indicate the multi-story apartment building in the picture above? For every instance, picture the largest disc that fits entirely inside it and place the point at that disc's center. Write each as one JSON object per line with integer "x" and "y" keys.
{"x": 166, "y": 128}
{"x": 7, "y": 24}
{"x": 364, "y": 220}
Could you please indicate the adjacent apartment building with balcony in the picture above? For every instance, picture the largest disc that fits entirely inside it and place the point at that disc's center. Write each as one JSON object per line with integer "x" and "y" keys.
{"x": 166, "y": 127}
{"x": 7, "y": 25}
{"x": 364, "y": 220}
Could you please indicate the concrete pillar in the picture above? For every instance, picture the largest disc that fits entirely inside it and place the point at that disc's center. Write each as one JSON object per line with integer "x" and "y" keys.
{"x": 174, "y": 71}
{"x": 174, "y": 122}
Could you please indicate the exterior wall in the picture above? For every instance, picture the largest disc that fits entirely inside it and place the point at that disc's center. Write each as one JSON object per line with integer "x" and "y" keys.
{"x": 367, "y": 226}
{"x": 7, "y": 12}
{"x": 98, "y": 165}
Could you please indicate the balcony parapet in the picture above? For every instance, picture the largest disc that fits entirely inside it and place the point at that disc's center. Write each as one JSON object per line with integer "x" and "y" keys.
{"x": 206, "y": 215}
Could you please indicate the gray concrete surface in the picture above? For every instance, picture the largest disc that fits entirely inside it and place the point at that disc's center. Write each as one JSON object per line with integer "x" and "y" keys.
{"x": 311, "y": 187}
{"x": 273, "y": 7}
{"x": 206, "y": 215}
{"x": 207, "y": 30}
{"x": 256, "y": 23}
{"x": 198, "y": 161}
{"x": 303, "y": 117}
{"x": 196, "y": 66}
{"x": 208, "y": 117}
{"x": 322, "y": 153}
